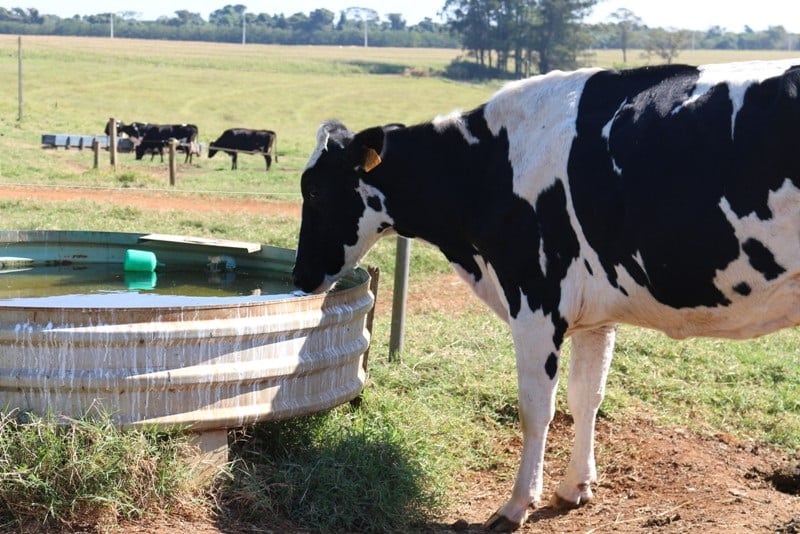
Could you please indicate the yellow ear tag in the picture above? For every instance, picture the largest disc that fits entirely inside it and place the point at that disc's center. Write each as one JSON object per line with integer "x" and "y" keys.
{"x": 371, "y": 160}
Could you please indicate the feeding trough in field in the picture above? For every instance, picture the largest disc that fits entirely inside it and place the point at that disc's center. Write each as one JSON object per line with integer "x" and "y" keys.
{"x": 80, "y": 142}
{"x": 214, "y": 338}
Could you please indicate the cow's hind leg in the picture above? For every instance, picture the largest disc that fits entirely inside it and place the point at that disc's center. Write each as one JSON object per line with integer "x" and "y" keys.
{"x": 589, "y": 364}
{"x": 537, "y": 374}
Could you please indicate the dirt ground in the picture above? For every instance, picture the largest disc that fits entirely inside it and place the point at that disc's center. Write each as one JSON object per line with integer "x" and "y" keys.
{"x": 652, "y": 478}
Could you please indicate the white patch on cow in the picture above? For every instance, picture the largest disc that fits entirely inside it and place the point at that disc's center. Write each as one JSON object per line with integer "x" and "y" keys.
{"x": 590, "y": 361}
{"x": 738, "y": 77}
{"x": 606, "y": 132}
{"x": 487, "y": 288}
{"x": 533, "y": 334}
{"x": 539, "y": 116}
{"x": 640, "y": 262}
{"x": 455, "y": 120}
{"x": 771, "y": 305}
{"x": 368, "y": 224}
{"x": 542, "y": 256}
{"x": 322, "y": 145}
{"x": 775, "y": 303}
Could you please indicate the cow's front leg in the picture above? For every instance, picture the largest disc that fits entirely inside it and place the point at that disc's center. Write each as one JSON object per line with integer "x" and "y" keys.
{"x": 589, "y": 364}
{"x": 537, "y": 375}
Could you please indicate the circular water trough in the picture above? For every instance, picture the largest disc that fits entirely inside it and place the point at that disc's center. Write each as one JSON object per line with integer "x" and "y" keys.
{"x": 202, "y": 364}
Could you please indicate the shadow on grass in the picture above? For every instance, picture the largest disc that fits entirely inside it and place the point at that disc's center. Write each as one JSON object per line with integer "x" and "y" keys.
{"x": 319, "y": 474}
{"x": 377, "y": 67}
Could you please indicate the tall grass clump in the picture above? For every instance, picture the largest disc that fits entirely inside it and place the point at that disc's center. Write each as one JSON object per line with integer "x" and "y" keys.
{"x": 348, "y": 470}
{"x": 87, "y": 472}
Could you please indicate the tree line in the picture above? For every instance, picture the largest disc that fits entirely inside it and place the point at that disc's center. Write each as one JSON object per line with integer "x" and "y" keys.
{"x": 502, "y": 38}
{"x": 319, "y": 27}
{"x": 527, "y": 36}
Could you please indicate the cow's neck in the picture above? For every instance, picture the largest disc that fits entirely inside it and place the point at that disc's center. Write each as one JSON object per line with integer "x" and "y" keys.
{"x": 439, "y": 178}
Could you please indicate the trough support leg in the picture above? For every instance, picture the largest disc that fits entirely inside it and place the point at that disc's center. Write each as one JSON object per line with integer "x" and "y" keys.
{"x": 374, "y": 275}
{"x": 213, "y": 453}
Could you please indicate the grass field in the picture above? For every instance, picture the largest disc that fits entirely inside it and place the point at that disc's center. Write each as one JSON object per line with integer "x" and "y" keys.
{"x": 454, "y": 384}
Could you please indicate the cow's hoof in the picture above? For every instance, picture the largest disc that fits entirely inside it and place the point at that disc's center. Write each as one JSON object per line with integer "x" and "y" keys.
{"x": 557, "y": 502}
{"x": 500, "y": 523}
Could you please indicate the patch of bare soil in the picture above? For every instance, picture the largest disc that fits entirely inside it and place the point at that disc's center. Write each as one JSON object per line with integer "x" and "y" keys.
{"x": 655, "y": 479}
{"x": 652, "y": 478}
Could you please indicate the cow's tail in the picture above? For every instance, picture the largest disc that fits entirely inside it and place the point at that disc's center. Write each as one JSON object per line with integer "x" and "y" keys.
{"x": 275, "y": 147}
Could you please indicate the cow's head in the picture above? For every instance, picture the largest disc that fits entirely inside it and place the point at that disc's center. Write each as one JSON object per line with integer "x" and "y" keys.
{"x": 119, "y": 125}
{"x": 344, "y": 213}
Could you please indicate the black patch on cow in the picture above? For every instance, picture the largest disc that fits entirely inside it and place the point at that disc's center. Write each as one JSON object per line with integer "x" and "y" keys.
{"x": 383, "y": 226}
{"x": 743, "y": 288}
{"x": 660, "y": 217}
{"x": 374, "y": 202}
{"x": 460, "y": 197}
{"x": 588, "y": 267}
{"x": 551, "y": 366}
{"x": 623, "y": 290}
{"x": 765, "y": 144}
{"x": 762, "y": 259}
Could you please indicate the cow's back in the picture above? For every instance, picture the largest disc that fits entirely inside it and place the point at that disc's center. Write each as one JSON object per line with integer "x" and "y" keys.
{"x": 683, "y": 187}
{"x": 244, "y": 139}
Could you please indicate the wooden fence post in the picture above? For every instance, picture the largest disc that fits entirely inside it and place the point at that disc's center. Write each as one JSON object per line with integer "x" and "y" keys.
{"x": 173, "y": 145}
{"x": 112, "y": 142}
{"x": 96, "y": 152}
{"x": 19, "y": 78}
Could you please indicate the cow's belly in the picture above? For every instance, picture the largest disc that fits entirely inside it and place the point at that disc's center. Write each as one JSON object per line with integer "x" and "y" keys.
{"x": 777, "y": 307}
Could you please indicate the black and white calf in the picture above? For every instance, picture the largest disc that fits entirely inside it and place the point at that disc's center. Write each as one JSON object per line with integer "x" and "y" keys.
{"x": 665, "y": 197}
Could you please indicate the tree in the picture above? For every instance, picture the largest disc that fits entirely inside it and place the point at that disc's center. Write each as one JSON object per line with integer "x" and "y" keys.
{"x": 229, "y": 15}
{"x": 666, "y": 44}
{"x": 557, "y": 38}
{"x": 543, "y": 31}
{"x": 475, "y": 22}
{"x": 364, "y": 15}
{"x": 186, "y": 18}
{"x": 321, "y": 20}
{"x": 396, "y": 21}
{"x": 627, "y": 22}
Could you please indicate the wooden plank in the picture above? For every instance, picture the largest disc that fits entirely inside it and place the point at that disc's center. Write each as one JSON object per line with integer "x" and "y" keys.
{"x": 242, "y": 246}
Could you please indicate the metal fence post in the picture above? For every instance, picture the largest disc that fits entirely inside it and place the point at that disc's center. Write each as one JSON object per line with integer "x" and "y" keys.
{"x": 399, "y": 298}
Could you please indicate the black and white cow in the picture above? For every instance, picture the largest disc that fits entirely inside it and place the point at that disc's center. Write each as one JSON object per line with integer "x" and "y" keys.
{"x": 133, "y": 130}
{"x": 246, "y": 140}
{"x": 154, "y": 137}
{"x": 665, "y": 197}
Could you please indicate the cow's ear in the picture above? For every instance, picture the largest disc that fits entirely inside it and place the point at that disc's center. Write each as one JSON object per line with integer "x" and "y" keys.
{"x": 365, "y": 148}
{"x": 371, "y": 160}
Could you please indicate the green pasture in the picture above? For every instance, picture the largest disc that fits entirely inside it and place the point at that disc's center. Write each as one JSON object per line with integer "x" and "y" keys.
{"x": 73, "y": 85}
{"x": 448, "y": 408}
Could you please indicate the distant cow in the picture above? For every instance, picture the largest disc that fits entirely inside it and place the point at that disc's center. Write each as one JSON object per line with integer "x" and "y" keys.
{"x": 665, "y": 197}
{"x": 155, "y": 138}
{"x": 246, "y": 140}
{"x": 134, "y": 130}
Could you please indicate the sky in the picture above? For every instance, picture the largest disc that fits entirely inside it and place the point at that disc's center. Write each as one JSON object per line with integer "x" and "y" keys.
{"x": 731, "y": 15}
